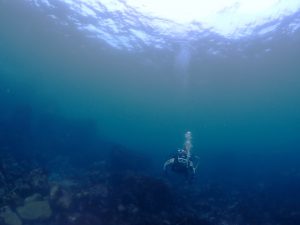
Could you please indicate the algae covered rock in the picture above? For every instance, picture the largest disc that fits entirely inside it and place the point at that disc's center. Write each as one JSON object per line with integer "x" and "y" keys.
{"x": 9, "y": 217}
{"x": 35, "y": 210}
{"x": 32, "y": 198}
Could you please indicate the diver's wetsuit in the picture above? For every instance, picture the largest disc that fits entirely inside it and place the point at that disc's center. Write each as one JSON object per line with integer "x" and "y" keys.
{"x": 180, "y": 163}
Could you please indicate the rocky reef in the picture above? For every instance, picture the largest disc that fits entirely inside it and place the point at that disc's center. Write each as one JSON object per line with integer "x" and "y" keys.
{"x": 112, "y": 191}
{"x": 99, "y": 194}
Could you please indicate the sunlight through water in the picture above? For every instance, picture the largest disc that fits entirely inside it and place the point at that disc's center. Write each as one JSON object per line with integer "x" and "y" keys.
{"x": 136, "y": 24}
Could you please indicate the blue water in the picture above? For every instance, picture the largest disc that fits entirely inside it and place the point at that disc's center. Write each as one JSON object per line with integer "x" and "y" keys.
{"x": 74, "y": 85}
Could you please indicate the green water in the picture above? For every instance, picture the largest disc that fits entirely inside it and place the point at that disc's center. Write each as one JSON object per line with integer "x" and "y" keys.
{"x": 143, "y": 100}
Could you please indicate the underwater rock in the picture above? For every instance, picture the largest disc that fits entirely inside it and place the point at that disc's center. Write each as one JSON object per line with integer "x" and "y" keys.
{"x": 35, "y": 210}
{"x": 54, "y": 191}
{"x": 99, "y": 190}
{"x": 33, "y": 198}
{"x": 60, "y": 197}
{"x": 121, "y": 208}
{"x": 65, "y": 201}
{"x": 2, "y": 192}
{"x": 147, "y": 193}
{"x": 73, "y": 218}
{"x": 22, "y": 187}
{"x": 38, "y": 180}
{"x": 132, "y": 209}
{"x": 9, "y": 217}
{"x": 11, "y": 198}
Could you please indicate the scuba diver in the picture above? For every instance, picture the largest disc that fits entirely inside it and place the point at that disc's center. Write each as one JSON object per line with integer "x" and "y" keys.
{"x": 182, "y": 162}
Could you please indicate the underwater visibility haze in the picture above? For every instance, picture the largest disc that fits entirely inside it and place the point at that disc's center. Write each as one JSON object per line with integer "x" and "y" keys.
{"x": 76, "y": 75}
{"x": 147, "y": 72}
